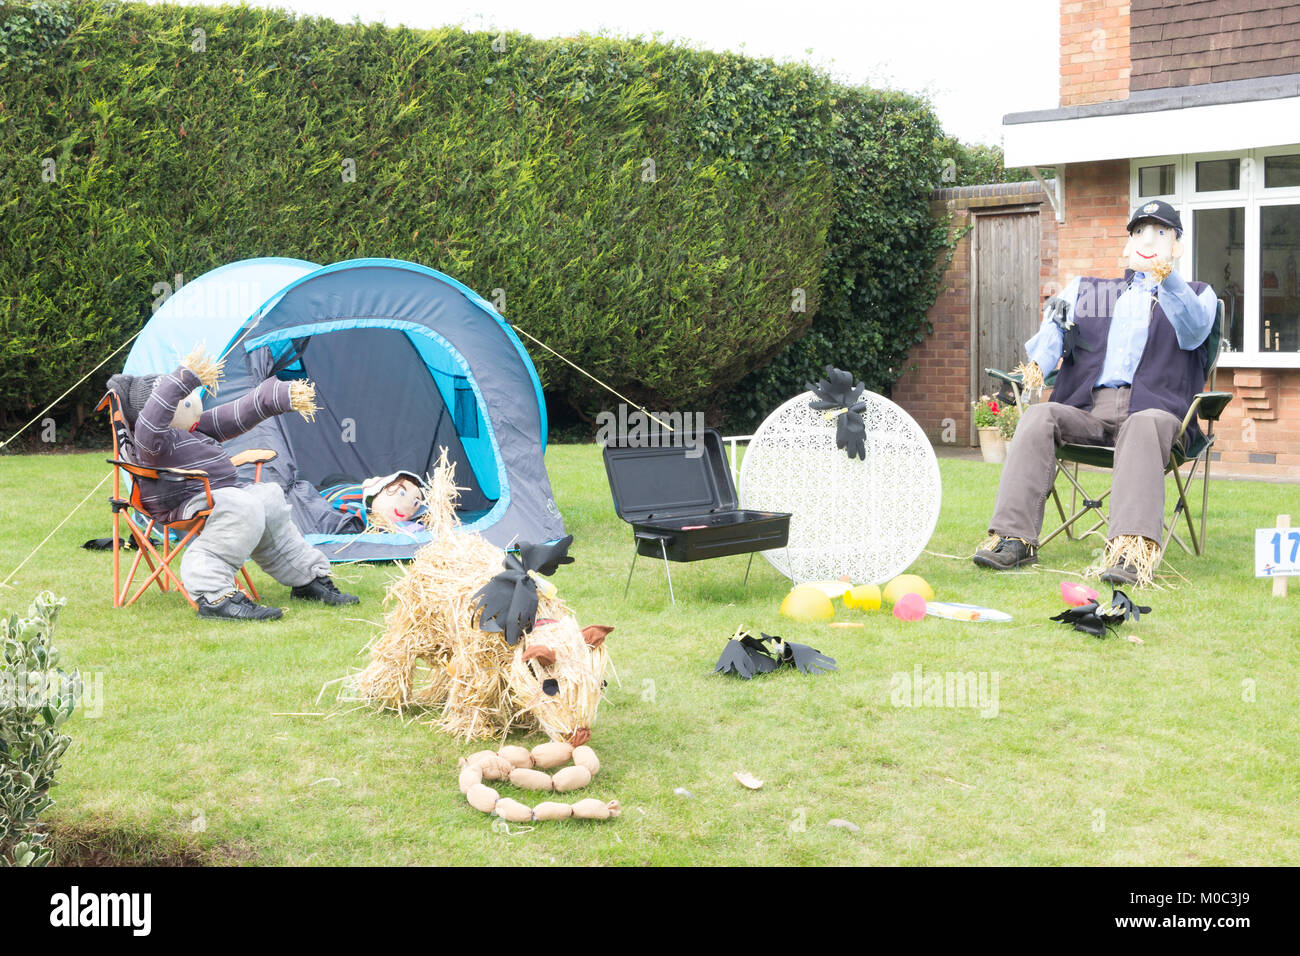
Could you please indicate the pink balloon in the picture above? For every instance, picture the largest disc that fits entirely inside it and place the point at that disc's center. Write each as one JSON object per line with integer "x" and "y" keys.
{"x": 1077, "y": 595}
{"x": 910, "y": 607}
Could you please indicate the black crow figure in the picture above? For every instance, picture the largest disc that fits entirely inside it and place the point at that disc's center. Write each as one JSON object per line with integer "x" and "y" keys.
{"x": 1095, "y": 619}
{"x": 745, "y": 657}
{"x": 808, "y": 660}
{"x": 838, "y": 391}
{"x": 509, "y": 600}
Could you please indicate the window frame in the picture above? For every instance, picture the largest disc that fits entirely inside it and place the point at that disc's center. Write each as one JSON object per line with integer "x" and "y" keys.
{"x": 1252, "y": 195}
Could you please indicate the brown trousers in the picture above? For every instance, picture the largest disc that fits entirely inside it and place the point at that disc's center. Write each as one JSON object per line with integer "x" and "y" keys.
{"x": 1142, "y": 444}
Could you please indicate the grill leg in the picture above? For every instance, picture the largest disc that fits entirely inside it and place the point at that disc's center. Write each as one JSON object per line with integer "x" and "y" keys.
{"x": 664, "y": 548}
{"x": 630, "y": 570}
{"x": 748, "y": 565}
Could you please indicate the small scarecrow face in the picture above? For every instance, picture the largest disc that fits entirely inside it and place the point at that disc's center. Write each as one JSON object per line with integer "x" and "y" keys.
{"x": 1150, "y": 243}
{"x": 188, "y": 410}
{"x": 398, "y": 501}
{"x": 558, "y": 676}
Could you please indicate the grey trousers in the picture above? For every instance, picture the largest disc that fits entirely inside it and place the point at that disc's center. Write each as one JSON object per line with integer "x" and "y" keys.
{"x": 1142, "y": 444}
{"x": 249, "y": 522}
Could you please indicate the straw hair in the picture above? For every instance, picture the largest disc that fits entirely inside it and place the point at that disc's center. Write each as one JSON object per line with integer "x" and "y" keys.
{"x": 302, "y": 399}
{"x": 1031, "y": 376}
{"x": 432, "y": 654}
{"x": 1132, "y": 549}
{"x": 205, "y": 367}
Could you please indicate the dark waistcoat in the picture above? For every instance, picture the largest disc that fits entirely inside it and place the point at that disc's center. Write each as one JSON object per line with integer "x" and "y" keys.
{"x": 1167, "y": 377}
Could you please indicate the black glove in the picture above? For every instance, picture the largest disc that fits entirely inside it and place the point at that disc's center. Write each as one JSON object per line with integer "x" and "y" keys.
{"x": 838, "y": 390}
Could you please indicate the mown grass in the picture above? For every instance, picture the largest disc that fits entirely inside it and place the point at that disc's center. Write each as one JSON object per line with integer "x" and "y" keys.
{"x": 1181, "y": 750}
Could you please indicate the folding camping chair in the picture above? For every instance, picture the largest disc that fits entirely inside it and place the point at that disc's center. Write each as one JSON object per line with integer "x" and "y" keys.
{"x": 144, "y": 526}
{"x": 1209, "y": 405}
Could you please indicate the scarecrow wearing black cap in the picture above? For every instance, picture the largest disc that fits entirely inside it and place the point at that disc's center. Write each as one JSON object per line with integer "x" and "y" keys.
{"x": 1131, "y": 356}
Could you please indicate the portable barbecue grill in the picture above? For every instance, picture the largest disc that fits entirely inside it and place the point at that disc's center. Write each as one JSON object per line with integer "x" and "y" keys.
{"x": 681, "y": 503}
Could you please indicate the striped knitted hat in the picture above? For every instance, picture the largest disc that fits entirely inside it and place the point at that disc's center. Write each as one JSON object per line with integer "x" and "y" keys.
{"x": 133, "y": 391}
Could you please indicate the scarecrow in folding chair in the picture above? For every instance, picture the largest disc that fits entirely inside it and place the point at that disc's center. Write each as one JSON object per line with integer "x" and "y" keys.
{"x": 1134, "y": 355}
{"x": 185, "y": 486}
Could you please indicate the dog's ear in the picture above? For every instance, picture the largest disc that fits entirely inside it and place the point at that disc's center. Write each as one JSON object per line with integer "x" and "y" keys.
{"x": 595, "y": 634}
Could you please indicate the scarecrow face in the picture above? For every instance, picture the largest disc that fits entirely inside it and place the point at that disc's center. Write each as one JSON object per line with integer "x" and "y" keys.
{"x": 558, "y": 675}
{"x": 1151, "y": 242}
{"x": 188, "y": 411}
{"x": 398, "y": 501}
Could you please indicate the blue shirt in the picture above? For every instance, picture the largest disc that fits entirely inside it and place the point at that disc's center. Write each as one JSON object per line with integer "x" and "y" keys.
{"x": 1191, "y": 315}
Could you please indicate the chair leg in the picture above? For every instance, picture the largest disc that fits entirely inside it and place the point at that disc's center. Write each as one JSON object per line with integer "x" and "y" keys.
{"x": 1205, "y": 492}
{"x": 252, "y": 591}
{"x": 162, "y": 582}
{"x": 117, "y": 555}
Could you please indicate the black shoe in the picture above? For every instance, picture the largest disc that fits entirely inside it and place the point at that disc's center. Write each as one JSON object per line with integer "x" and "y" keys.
{"x": 1008, "y": 553}
{"x": 323, "y": 590}
{"x": 236, "y": 606}
{"x": 1121, "y": 574}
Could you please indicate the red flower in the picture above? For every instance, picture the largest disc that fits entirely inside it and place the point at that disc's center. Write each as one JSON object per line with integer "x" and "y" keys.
{"x": 993, "y": 406}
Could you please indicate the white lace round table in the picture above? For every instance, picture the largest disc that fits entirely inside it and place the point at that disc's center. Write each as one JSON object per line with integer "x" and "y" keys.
{"x": 865, "y": 519}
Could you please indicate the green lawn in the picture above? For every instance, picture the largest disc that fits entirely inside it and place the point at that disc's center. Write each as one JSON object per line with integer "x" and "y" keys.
{"x": 1182, "y": 750}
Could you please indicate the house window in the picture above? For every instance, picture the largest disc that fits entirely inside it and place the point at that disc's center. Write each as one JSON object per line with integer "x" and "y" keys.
{"x": 1219, "y": 258}
{"x": 1282, "y": 171}
{"x": 1156, "y": 180}
{"x": 1218, "y": 175}
{"x": 1241, "y": 219}
{"x": 1279, "y": 304}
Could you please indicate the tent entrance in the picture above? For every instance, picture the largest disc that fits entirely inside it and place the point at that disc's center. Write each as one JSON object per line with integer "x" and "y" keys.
{"x": 389, "y": 400}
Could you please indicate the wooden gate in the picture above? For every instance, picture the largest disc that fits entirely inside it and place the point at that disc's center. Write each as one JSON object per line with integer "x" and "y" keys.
{"x": 1005, "y": 299}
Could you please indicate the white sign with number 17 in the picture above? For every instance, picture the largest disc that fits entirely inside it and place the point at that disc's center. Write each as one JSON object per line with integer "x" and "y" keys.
{"x": 1277, "y": 552}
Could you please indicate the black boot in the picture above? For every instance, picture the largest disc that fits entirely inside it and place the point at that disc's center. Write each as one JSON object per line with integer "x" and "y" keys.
{"x": 322, "y": 589}
{"x": 236, "y": 606}
{"x": 1126, "y": 574}
{"x": 1008, "y": 553}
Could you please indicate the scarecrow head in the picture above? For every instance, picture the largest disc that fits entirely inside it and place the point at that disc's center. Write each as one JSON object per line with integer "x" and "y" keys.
{"x": 394, "y": 498}
{"x": 1154, "y": 236}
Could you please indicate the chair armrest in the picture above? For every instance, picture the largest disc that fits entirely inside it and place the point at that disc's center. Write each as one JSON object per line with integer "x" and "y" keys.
{"x": 1212, "y": 404}
{"x": 158, "y": 474}
{"x": 167, "y": 474}
{"x": 1005, "y": 376}
{"x": 1209, "y": 405}
{"x": 253, "y": 456}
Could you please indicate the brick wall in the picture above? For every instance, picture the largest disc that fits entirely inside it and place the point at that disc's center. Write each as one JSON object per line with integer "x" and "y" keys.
{"x": 1092, "y": 238}
{"x": 1094, "y": 51}
{"x": 1259, "y": 433}
{"x": 1184, "y": 42}
{"x": 936, "y": 388}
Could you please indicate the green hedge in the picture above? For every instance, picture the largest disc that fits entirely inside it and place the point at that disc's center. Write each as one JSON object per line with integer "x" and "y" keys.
{"x": 509, "y": 162}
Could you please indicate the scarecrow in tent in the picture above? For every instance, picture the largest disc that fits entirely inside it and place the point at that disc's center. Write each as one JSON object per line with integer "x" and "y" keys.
{"x": 172, "y": 430}
{"x": 1131, "y": 354}
{"x": 387, "y": 502}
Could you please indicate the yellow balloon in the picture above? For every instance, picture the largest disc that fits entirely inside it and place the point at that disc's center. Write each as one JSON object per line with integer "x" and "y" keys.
{"x": 908, "y": 584}
{"x": 864, "y": 597}
{"x": 805, "y": 603}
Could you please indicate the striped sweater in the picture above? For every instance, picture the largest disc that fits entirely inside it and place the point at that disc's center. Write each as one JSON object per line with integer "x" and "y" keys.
{"x": 158, "y": 445}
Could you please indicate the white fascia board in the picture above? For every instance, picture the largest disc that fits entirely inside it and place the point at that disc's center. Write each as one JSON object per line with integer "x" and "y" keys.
{"x": 1193, "y": 129}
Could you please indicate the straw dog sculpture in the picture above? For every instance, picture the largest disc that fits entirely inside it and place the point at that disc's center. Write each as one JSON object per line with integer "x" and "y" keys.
{"x": 433, "y": 654}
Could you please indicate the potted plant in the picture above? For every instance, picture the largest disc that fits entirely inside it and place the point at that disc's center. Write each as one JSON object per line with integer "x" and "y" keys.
{"x": 992, "y": 447}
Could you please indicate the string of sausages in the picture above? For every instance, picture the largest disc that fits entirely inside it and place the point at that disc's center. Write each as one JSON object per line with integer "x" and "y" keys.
{"x": 526, "y": 769}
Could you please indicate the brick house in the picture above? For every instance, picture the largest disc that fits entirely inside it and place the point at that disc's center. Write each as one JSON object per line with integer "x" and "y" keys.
{"x": 1196, "y": 102}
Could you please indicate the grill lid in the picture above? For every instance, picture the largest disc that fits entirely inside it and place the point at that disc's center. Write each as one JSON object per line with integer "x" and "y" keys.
{"x": 689, "y": 477}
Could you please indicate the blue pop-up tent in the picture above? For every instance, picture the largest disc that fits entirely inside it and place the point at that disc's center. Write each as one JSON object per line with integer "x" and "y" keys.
{"x": 407, "y": 361}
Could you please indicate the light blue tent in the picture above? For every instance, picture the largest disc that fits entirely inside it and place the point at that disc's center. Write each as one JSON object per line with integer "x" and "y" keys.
{"x": 407, "y": 361}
